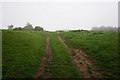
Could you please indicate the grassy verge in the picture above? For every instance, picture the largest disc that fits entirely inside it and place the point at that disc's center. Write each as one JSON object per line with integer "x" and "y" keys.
{"x": 101, "y": 46}
{"x": 21, "y": 53}
{"x": 119, "y": 53}
{"x": 0, "y": 54}
{"x": 62, "y": 65}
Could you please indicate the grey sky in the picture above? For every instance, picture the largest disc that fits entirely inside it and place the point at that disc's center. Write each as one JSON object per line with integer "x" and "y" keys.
{"x": 54, "y": 16}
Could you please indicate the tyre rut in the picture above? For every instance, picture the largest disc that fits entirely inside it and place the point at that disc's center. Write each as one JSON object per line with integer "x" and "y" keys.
{"x": 83, "y": 63}
{"x": 43, "y": 70}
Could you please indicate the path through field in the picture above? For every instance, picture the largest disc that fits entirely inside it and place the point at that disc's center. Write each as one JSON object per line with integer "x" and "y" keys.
{"x": 82, "y": 62}
{"x": 43, "y": 71}
{"x": 39, "y": 55}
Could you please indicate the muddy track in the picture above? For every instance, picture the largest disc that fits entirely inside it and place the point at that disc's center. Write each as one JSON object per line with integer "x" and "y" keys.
{"x": 83, "y": 63}
{"x": 43, "y": 70}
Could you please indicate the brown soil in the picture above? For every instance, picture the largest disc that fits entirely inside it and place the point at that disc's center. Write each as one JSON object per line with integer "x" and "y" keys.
{"x": 43, "y": 70}
{"x": 83, "y": 63}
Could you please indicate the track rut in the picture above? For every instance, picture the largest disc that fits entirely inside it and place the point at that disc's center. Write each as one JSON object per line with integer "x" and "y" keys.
{"x": 43, "y": 70}
{"x": 83, "y": 62}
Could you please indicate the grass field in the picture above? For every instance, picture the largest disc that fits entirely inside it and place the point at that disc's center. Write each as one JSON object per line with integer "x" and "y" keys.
{"x": 0, "y": 53}
{"x": 119, "y": 52}
{"x": 21, "y": 53}
{"x": 62, "y": 65}
{"x": 101, "y": 46}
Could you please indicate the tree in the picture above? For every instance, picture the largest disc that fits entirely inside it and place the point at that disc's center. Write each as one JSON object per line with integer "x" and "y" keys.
{"x": 38, "y": 28}
{"x": 18, "y": 29}
{"x": 10, "y": 27}
{"x": 28, "y": 27}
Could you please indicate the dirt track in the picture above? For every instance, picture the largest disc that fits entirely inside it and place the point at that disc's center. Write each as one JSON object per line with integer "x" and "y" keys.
{"x": 83, "y": 63}
{"x": 43, "y": 70}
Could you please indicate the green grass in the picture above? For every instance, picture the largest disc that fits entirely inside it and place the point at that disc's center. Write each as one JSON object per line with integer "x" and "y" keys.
{"x": 101, "y": 46}
{"x": 119, "y": 52}
{"x": 62, "y": 65}
{"x": 0, "y": 54}
{"x": 21, "y": 53}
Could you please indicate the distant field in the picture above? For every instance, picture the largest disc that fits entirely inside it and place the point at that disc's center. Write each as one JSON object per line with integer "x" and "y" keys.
{"x": 101, "y": 46}
{"x": 21, "y": 53}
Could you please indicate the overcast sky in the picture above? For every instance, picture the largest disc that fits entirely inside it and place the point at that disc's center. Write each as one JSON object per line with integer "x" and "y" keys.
{"x": 59, "y": 15}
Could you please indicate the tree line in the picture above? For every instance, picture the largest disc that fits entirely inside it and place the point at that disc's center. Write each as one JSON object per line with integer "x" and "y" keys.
{"x": 27, "y": 27}
{"x": 103, "y": 28}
